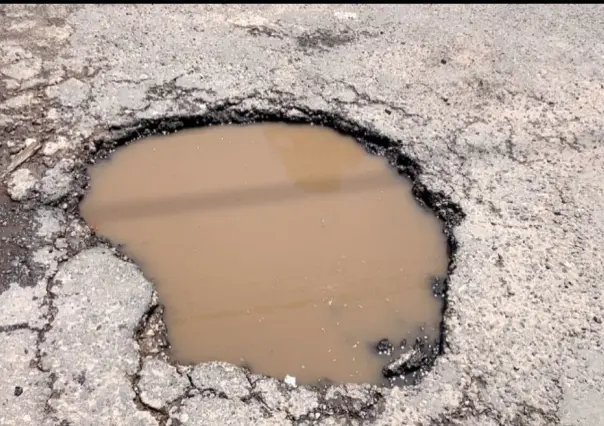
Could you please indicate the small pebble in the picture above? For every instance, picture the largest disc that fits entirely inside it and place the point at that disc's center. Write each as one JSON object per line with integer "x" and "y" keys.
{"x": 384, "y": 347}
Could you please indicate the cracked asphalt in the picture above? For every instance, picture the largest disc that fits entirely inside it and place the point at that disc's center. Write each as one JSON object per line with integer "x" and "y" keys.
{"x": 501, "y": 106}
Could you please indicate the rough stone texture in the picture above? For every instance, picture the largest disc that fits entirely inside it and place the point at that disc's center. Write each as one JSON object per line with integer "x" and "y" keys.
{"x": 77, "y": 235}
{"x": 90, "y": 349}
{"x": 221, "y": 377}
{"x": 583, "y": 405}
{"x": 51, "y": 222}
{"x": 23, "y": 69}
{"x": 297, "y": 403}
{"x": 21, "y": 184}
{"x": 502, "y": 106}
{"x": 57, "y": 181}
{"x": 160, "y": 383}
{"x": 335, "y": 421}
{"x": 70, "y": 93}
{"x": 48, "y": 257}
{"x": 199, "y": 411}
{"x": 23, "y": 306}
{"x": 52, "y": 147}
{"x": 23, "y": 389}
{"x": 18, "y": 102}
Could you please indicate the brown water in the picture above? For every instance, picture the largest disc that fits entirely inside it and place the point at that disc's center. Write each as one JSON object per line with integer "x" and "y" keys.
{"x": 285, "y": 248}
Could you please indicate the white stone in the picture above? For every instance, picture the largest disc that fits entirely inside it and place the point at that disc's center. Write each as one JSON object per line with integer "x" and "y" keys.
{"x": 21, "y": 184}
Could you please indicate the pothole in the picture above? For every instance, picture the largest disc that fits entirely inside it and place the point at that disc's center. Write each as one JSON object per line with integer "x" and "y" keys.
{"x": 284, "y": 249}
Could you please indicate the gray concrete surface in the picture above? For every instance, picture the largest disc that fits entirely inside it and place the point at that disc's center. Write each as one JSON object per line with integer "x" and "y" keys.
{"x": 502, "y": 105}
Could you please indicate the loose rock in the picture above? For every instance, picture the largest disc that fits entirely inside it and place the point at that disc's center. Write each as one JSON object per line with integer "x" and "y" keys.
{"x": 160, "y": 383}
{"x": 409, "y": 362}
{"x": 21, "y": 184}
{"x": 384, "y": 347}
{"x": 57, "y": 181}
{"x": 222, "y": 377}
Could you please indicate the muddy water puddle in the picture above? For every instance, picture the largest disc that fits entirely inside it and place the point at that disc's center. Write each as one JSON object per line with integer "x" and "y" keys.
{"x": 285, "y": 248}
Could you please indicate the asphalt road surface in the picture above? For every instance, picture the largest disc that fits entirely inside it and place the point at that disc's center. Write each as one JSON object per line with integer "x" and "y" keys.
{"x": 502, "y": 106}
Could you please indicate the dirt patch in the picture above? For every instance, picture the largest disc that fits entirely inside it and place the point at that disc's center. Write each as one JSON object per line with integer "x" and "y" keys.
{"x": 325, "y": 39}
{"x": 14, "y": 244}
